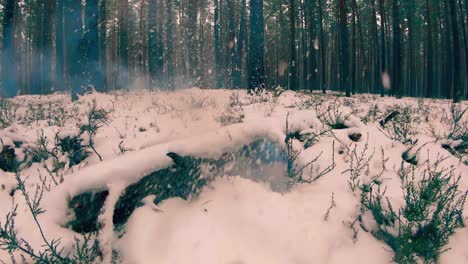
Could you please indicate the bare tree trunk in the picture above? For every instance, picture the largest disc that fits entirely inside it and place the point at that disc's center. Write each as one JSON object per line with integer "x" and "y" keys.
{"x": 344, "y": 54}
{"x": 322, "y": 48}
{"x": 396, "y": 77}
{"x": 9, "y": 72}
{"x": 458, "y": 85}
{"x": 256, "y": 68}
{"x": 292, "y": 83}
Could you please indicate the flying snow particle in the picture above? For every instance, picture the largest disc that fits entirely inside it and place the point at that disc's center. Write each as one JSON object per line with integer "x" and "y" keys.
{"x": 283, "y": 66}
{"x": 316, "y": 44}
{"x": 386, "y": 80}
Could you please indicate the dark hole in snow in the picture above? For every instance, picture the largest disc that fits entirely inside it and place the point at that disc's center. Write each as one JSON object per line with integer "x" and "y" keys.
{"x": 8, "y": 159}
{"x": 260, "y": 161}
{"x": 355, "y": 136}
{"x": 86, "y": 207}
{"x": 409, "y": 157}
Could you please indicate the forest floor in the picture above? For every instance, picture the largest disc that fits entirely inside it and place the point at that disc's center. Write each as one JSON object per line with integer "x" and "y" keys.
{"x": 278, "y": 177}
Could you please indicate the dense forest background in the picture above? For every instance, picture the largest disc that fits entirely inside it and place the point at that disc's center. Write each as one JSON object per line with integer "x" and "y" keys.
{"x": 394, "y": 47}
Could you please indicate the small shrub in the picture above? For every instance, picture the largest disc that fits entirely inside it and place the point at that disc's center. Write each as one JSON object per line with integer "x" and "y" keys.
{"x": 53, "y": 112}
{"x": 372, "y": 115}
{"x": 358, "y": 165}
{"x": 458, "y": 124}
{"x": 7, "y": 112}
{"x": 332, "y": 115}
{"x": 424, "y": 109}
{"x": 311, "y": 101}
{"x": 75, "y": 149}
{"x": 34, "y": 113}
{"x": 41, "y": 151}
{"x": 421, "y": 228}
{"x": 295, "y": 172}
{"x": 234, "y": 113}
{"x": 95, "y": 119}
{"x": 403, "y": 126}
{"x": 86, "y": 251}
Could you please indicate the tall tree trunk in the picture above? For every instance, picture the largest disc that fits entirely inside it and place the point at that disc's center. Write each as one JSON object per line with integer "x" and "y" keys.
{"x": 322, "y": 49}
{"x": 37, "y": 41}
{"x": 231, "y": 43}
{"x": 74, "y": 45}
{"x": 94, "y": 74}
{"x": 396, "y": 78}
{"x": 59, "y": 47}
{"x": 153, "y": 52}
{"x": 256, "y": 68}
{"x": 376, "y": 61}
{"x": 192, "y": 41}
{"x": 344, "y": 54}
{"x": 354, "y": 49}
{"x": 49, "y": 8}
{"x": 9, "y": 71}
{"x": 312, "y": 74}
{"x": 457, "y": 78}
{"x": 283, "y": 47}
{"x": 448, "y": 73}
{"x": 429, "y": 58}
{"x": 124, "y": 72}
{"x": 103, "y": 42}
{"x": 292, "y": 83}
{"x": 383, "y": 54}
{"x": 314, "y": 54}
{"x": 411, "y": 51}
{"x": 217, "y": 46}
{"x": 238, "y": 68}
{"x": 169, "y": 46}
{"x": 464, "y": 18}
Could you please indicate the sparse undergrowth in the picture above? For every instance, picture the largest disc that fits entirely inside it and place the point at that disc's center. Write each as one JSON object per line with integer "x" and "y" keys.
{"x": 234, "y": 113}
{"x": 417, "y": 230}
{"x": 74, "y": 145}
{"x": 403, "y": 125}
{"x": 420, "y": 229}
{"x": 332, "y": 114}
{"x": 457, "y": 137}
{"x": 85, "y": 250}
{"x": 295, "y": 171}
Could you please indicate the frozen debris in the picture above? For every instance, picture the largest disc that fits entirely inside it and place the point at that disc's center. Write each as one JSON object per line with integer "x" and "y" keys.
{"x": 388, "y": 118}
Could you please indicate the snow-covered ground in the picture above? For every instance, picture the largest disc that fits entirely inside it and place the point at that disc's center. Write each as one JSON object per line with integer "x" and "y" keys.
{"x": 240, "y": 218}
